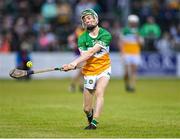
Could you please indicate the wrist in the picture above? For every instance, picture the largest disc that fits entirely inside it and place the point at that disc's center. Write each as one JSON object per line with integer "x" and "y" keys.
{"x": 73, "y": 65}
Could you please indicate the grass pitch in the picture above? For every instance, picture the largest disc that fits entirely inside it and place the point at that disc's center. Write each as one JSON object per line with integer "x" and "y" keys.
{"x": 44, "y": 108}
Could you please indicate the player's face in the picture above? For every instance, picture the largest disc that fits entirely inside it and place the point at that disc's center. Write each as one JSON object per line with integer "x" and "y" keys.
{"x": 133, "y": 24}
{"x": 90, "y": 22}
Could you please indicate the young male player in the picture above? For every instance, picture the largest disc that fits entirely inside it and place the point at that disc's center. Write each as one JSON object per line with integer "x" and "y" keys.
{"x": 130, "y": 46}
{"x": 94, "y": 47}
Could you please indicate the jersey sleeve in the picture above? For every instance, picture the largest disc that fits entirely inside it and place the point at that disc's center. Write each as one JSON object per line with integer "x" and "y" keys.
{"x": 81, "y": 44}
{"x": 104, "y": 40}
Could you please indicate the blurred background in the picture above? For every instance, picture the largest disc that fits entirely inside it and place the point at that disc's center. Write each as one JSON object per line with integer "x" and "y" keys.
{"x": 40, "y": 30}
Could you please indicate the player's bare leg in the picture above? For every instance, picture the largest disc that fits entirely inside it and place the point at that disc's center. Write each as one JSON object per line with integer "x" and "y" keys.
{"x": 127, "y": 77}
{"x": 99, "y": 93}
{"x": 88, "y": 103}
{"x": 133, "y": 77}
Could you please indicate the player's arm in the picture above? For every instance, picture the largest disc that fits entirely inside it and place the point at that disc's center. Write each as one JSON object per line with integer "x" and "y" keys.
{"x": 86, "y": 55}
{"x": 82, "y": 58}
{"x": 140, "y": 40}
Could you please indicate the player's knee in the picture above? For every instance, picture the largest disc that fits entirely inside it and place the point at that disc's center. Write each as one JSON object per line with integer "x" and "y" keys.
{"x": 99, "y": 93}
{"x": 87, "y": 110}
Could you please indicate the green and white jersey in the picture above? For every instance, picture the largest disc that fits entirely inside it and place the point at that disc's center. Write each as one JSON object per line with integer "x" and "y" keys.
{"x": 101, "y": 60}
{"x": 130, "y": 43}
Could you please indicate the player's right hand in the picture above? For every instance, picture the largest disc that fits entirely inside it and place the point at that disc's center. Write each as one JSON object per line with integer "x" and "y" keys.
{"x": 65, "y": 67}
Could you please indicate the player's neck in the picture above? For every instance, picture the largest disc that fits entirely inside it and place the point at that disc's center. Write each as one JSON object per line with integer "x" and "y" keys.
{"x": 94, "y": 33}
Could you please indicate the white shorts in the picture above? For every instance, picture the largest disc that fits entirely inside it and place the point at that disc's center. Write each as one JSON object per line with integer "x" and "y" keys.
{"x": 132, "y": 59}
{"x": 90, "y": 81}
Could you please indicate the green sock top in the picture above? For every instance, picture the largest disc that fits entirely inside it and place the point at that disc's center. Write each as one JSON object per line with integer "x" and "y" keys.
{"x": 94, "y": 122}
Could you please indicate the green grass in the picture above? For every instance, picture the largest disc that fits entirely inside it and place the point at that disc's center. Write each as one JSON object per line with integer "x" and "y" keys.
{"x": 44, "y": 108}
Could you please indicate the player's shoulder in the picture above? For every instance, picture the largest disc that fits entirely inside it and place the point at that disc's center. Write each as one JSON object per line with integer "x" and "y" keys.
{"x": 104, "y": 31}
{"x": 125, "y": 29}
{"x": 83, "y": 35}
{"x": 82, "y": 39}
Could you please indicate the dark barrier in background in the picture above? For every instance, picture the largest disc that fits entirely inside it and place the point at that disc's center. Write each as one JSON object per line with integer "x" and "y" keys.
{"x": 155, "y": 64}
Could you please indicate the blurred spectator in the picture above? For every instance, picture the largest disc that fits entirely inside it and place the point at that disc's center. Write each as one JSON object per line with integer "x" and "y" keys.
{"x": 9, "y": 41}
{"x": 23, "y": 8}
{"x": 64, "y": 13}
{"x": 20, "y": 16}
{"x": 38, "y": 23}
{"x": 173, "y": 4}
{"x": 167, "y": 15}
{"x": 5, "y": 42}
{"x": 21, "y": 26}
{"x": 26, "y": 42}
{"x": 36, "y": 5}
{"x": 146, "y": 10}
{"x": 115, "y": 31}
{"x": 173, "y": 30}
{"x": 49, "y": 10}
{"x": 47, "y": 40}
{"x": 136, "y": 7}
{"x": 10, "y": 7}
{"x": 7, "y": 22}
{"x": 151, "y": 32}
{"x": 96, "y": 7}
{"x": 164, "y": 45}
{"x": 176, "y": 38}
{"x": 106, "y": 24}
